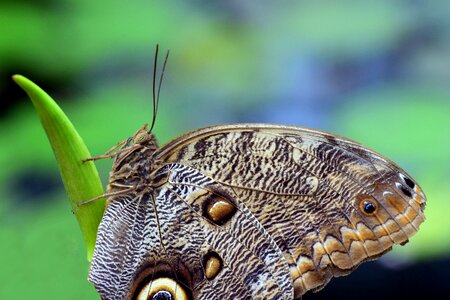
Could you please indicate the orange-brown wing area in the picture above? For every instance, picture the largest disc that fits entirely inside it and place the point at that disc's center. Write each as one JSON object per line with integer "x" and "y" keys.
{"x": 328, "y": 202}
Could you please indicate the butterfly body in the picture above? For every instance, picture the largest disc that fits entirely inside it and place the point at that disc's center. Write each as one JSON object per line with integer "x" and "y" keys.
{"x": 247, "y": 211}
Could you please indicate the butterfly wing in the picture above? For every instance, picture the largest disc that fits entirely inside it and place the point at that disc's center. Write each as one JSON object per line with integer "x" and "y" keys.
{"x": 167, "y": 244}
{"x": 123, "y": 241}
{"x": 327, "y": 202}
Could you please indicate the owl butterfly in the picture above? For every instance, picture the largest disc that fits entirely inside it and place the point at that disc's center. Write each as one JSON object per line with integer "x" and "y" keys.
{"x": 246, "y": 211}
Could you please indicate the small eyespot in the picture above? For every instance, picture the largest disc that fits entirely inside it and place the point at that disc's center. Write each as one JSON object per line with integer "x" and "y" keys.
{"x": 408, "y": 181}
{"x": 405, "y": 191}
{"x": 212, "y": 265}
{"x": 368, "y": 207}
{"x": 218, "y": 209}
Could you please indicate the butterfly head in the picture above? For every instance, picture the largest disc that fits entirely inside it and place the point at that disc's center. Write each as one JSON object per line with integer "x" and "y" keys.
{"x": 145, "y": 138}
{"x": 131, "y": 160}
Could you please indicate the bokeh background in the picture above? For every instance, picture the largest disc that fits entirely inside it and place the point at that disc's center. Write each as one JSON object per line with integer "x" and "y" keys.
{"x": 375, "y": 71}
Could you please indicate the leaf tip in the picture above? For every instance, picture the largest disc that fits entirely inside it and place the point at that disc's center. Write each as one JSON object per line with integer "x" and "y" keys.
{"x": 23, "y": 82}
{"x": 17, "y": 78}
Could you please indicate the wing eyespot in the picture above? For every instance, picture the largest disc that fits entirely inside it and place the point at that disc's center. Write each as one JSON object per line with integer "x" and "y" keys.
{"x": 367, "y": 204}
{"x": 161, "y": 280}
{"x": 162, "y": 288}
{"x": 406, "y": 191}
{"x": 162, "y": 295}
{"x": 368, "y": 207}
{"x": 212, "y": 265}
{"x": 408, "y": 181}
{"x": 218, "y": 209}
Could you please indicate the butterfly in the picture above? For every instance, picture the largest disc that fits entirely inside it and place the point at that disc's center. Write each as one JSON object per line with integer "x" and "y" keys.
{"x": 246, "y": 211}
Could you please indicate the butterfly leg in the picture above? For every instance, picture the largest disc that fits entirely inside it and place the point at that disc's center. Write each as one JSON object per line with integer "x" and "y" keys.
{"x": 108, "y": 154}
{"x": 106, "y": 195}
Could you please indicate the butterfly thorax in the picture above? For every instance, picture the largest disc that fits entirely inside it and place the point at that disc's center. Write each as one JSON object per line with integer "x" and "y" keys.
{"x": 133, "y": 163}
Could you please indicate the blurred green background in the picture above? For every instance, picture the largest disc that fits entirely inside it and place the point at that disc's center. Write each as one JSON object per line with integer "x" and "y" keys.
{"x": 375, "y": 71}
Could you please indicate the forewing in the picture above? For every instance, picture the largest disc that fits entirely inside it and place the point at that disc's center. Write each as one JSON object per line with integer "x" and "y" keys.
{"x": 329, "y": 203}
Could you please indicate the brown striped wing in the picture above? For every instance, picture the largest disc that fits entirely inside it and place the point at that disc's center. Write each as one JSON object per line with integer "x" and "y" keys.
{"x": 327, "y": 202}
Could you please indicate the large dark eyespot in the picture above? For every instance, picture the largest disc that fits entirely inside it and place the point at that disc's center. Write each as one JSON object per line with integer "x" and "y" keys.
{"x": 162, "y": 295}
{"x": 408, "y": 181}
{"x": 163, "y": 288}
{"x": 164, "y": 279}
{"x": 368, "y": 207}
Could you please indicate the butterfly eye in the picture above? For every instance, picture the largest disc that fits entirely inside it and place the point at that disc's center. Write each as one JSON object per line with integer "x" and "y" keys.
{"x": 212, "y": 264}
{"x": 369, "y": 207}
{"x": 142, "y": 138}
{"x": 162, "y": 288}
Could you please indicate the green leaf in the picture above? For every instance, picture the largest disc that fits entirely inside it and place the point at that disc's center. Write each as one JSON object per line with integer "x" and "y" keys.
{"x": 81, "y": 180}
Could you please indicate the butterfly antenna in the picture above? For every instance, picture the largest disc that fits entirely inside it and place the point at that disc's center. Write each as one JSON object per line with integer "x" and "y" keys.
{"x": 155, "y": 67}
{"x": 158, "y": 91}
{"x": 161, "y": 79}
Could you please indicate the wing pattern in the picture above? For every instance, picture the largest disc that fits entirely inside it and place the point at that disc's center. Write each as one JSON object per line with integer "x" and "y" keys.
{"x": 251, "y": 212}
{"x": 307, "y": 189}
